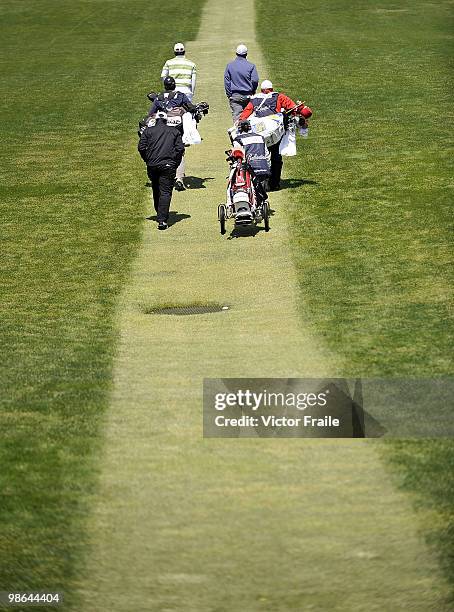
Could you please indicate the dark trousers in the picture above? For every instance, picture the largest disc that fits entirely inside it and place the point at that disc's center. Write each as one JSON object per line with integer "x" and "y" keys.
{"x": 259, "y": 186}
{"x": 276, "y": 166}
{"x": 162, "y": 181}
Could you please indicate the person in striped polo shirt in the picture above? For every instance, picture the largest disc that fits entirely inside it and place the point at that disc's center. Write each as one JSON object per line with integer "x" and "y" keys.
{"x": 182, "y": 70}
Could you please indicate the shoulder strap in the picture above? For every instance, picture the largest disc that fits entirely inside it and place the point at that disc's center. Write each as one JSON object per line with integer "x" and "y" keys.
{"x": 267, "y": 97}
{"x": 166, "y": 99}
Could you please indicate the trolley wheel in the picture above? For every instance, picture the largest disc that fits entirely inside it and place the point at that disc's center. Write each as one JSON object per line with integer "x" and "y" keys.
{"x": 266, "y": 215}
{"x": 221, "y": 217}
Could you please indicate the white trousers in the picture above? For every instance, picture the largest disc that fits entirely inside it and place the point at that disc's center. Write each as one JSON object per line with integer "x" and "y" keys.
{"x": 180, "y": 170}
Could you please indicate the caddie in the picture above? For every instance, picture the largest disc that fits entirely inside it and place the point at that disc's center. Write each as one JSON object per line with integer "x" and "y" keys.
{"x": 174, "y": 103}
{"x": 257, "y": 157}
{"x": 269, "y": 102}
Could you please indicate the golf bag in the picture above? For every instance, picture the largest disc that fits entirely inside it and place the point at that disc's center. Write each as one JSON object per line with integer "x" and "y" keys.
{"x": 241, "y": 196}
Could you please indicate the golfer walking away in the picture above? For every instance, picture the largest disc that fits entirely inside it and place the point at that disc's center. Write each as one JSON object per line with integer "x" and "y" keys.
{"x": 269, "y": 102}
{"x": 161, "y": 148}
{"x": 257, "y": 156}
{"x": 240, "y": 81}
{"x": 174, "y": 104}
{"x": 182, "y": 70}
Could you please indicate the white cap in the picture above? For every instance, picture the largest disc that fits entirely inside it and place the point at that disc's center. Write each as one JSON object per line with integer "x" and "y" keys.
{"x": 241, "y": 50}
{"x": 266, "y": 84}
{"x": 178, "y": 48}
{"x": 161, "y": 115}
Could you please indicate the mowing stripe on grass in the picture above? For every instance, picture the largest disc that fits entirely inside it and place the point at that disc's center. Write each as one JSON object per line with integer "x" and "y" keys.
{"x": 182, "y": 523}
{"x": 70, "y": 229}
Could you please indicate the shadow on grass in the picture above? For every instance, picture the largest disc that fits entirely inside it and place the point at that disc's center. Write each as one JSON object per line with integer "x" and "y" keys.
{"x": 294, "y": 183}
{"x": 174, "y": 217}
{"x": 195, "y": 182}
{"x": 248, "y": 231}
{"x": 192, "y": 182}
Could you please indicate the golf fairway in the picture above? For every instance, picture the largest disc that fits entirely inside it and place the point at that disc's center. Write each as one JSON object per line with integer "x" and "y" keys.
{"x": 183, "y": 523}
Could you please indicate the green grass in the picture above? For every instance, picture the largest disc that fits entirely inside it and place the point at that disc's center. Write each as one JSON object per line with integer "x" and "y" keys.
{"x": 372, "y": 224}
{"x": 425, "y": 468}
{"x": 234, "y": 524}
{"x": 74, "y": 75}
{"x": 73, "y": 85}
{"x": 371, "y": 230}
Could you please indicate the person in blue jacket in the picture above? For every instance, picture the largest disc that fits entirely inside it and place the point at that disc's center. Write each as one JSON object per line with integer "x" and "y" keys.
{"x": 240, "y": 81}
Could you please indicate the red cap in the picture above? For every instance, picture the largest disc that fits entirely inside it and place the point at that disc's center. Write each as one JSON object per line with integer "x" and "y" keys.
{"x": 306, "y": 112}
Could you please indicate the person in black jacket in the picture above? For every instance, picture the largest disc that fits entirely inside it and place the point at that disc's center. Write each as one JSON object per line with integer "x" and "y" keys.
{"x": 161, "y": 148}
